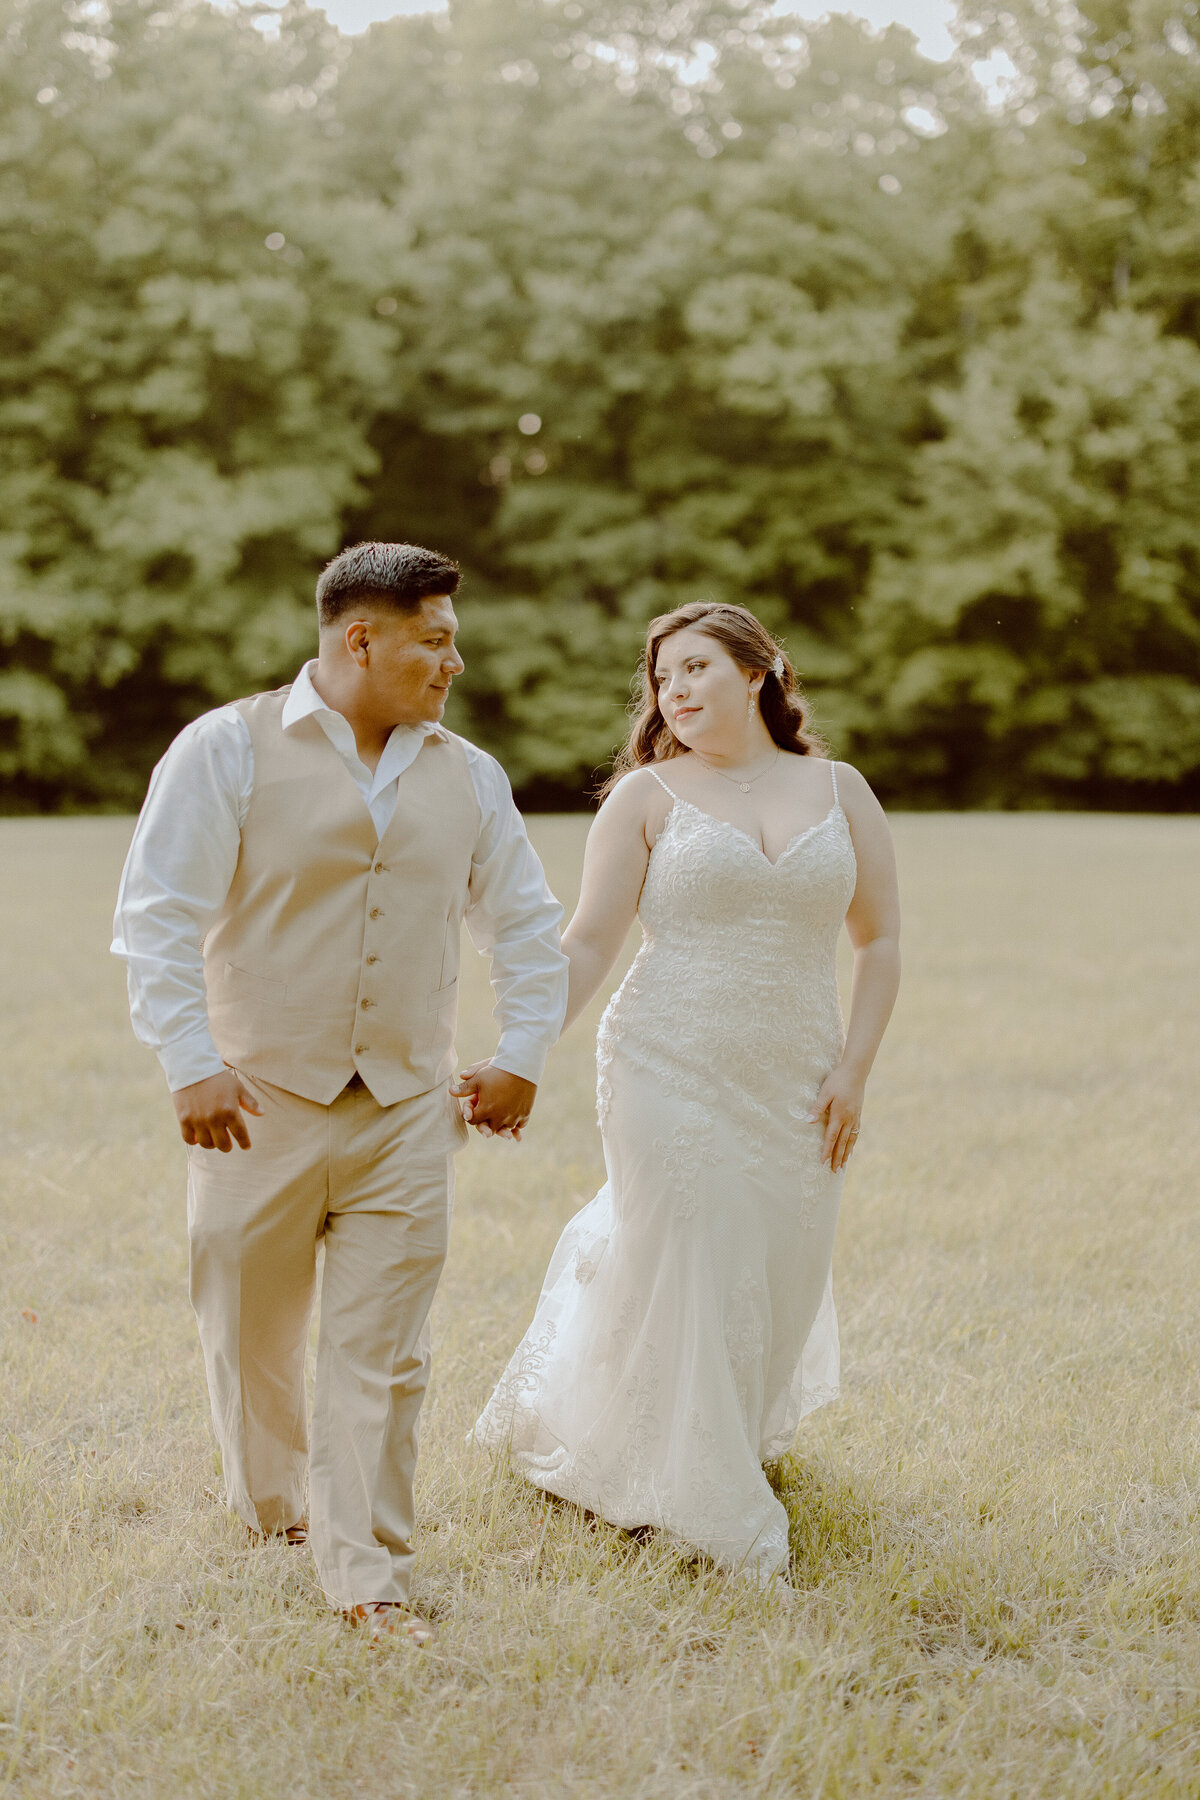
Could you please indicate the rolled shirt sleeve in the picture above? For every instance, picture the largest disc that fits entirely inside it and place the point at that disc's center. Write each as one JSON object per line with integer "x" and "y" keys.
{"x": 178, "y": 872}
{"x": 513, "y": 916}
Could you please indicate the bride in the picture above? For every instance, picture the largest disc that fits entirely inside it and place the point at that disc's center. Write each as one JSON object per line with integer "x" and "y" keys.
{"x": 686, "y": 1323}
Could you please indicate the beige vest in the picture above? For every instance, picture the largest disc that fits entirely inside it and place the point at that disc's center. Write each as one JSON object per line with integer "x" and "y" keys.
{"x": 334, "y": 952}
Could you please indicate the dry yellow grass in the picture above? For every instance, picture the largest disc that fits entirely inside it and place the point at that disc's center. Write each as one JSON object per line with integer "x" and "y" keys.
{"x": 994, "y": 1531}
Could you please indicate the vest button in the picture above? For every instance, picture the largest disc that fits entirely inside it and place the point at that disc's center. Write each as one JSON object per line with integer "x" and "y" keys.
{"x": 372, "y": 957}
{"x": 381, "y": 868}
{"x": 376, "y": 912}
{"x": 360, "y": 1049}
{"x": 365, "y": 1003}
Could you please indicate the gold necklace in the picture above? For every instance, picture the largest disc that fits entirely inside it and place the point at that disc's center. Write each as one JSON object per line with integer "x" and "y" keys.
{"x": 736, "y": 780}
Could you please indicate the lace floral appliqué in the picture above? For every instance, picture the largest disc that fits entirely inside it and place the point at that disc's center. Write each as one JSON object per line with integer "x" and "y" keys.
{"x": 663, "y": 1365}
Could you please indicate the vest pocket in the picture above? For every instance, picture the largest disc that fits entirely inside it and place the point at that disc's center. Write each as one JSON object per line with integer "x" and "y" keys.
{"x": 248, "y": 986}
{"x": 443, "y": 996}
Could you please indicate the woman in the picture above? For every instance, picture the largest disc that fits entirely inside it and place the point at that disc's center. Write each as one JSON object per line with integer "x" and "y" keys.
{"x": 686, "y": 1323}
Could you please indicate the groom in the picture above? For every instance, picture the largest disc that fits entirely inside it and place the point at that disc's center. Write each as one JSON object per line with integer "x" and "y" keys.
{"x": 290, "y": 915}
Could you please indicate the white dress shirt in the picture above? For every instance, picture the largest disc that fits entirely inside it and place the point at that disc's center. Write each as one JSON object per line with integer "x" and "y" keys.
{"x": 184, "y": 853}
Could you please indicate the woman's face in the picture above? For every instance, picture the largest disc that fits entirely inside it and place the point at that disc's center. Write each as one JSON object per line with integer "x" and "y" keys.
{"x": 701, "y": 690}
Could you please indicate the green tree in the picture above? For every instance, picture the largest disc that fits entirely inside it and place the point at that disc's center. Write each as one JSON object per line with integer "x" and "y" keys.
{"x": 1032, "y": 635}
{"x": 1038, "y": 637}
{"x": 678, "y": 259}
{"x": 186, "y": 378}
{"x": 621, "y": 305}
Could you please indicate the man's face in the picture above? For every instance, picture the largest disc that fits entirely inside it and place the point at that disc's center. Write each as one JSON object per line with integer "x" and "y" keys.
{"x": 411, "y": 661}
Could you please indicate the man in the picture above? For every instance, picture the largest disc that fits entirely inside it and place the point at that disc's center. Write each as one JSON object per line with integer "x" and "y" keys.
{"x": 290, "y": 915}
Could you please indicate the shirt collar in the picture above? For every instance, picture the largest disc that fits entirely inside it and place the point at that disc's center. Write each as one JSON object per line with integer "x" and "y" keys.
{"x": 304, "y": 702}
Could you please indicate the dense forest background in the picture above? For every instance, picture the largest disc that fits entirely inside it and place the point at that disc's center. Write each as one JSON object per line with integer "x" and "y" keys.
{"x": 622, "y": 305}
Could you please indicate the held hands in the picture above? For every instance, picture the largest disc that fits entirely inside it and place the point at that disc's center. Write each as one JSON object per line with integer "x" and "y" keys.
{"x": 210, "y": 1112}
{"x": 839, "y": 1104}
{"x": 496, "y": 1103}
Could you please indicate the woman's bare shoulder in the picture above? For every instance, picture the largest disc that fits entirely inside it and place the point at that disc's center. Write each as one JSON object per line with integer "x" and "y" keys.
{"x": 855, "y": 792}
{"x": 638, "y": 799}
{"x": 847, "y": 772}
{"x": 636, "y": 787}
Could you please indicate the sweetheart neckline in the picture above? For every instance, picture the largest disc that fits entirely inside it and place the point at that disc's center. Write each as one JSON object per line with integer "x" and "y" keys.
{"x": 745, "y": 835}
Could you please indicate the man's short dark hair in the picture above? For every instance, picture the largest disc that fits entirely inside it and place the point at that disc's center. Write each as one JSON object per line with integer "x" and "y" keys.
{"x": 399, "y": 575}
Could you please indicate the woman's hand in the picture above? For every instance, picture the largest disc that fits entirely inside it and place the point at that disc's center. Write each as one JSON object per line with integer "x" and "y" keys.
{"x": 496, "y": 1103}
{"x": 840, "y": 1104}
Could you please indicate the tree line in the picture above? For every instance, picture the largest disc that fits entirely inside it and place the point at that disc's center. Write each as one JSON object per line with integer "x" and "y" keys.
{"x": 622, "y": 304}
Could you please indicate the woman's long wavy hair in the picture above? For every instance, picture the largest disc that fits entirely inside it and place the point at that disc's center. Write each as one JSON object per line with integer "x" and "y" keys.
{"x": 783, "y": 706}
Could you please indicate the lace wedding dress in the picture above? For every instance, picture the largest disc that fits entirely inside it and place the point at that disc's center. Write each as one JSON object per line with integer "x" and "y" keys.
{"x": 686, "y": 1324}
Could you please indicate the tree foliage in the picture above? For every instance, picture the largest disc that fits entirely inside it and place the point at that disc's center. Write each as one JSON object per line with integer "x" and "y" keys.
{"x": 621, "y": 304}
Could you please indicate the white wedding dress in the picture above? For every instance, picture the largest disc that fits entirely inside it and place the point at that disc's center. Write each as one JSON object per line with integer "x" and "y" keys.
{"x": 686, "y": 1324}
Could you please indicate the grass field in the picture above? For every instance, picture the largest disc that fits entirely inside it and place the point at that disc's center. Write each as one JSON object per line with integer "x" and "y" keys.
{"x": 995, "y": 1529}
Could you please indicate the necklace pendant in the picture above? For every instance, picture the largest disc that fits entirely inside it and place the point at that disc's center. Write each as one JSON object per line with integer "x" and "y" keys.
{"x": 745, "y": 786}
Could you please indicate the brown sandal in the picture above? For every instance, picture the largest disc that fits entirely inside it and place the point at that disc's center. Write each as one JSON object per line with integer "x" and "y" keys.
{"x": 295, "y": 1535}
{"x": 390, "y": 1621}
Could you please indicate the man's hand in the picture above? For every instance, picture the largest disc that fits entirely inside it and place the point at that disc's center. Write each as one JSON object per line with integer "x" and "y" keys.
{"x": 210, "y": 1112}
{"x": 495, "y": 1102}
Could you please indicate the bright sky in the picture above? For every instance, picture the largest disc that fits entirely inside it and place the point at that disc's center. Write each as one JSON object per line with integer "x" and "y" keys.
{"x": 929, "y": 19}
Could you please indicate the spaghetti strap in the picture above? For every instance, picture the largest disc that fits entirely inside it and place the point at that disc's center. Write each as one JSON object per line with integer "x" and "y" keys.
{"x": 662, "y": 784}
{"x": 833, "y": 772}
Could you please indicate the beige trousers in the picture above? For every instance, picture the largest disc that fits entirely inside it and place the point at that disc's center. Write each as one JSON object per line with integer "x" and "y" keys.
{"x": 375, "y": 1183}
